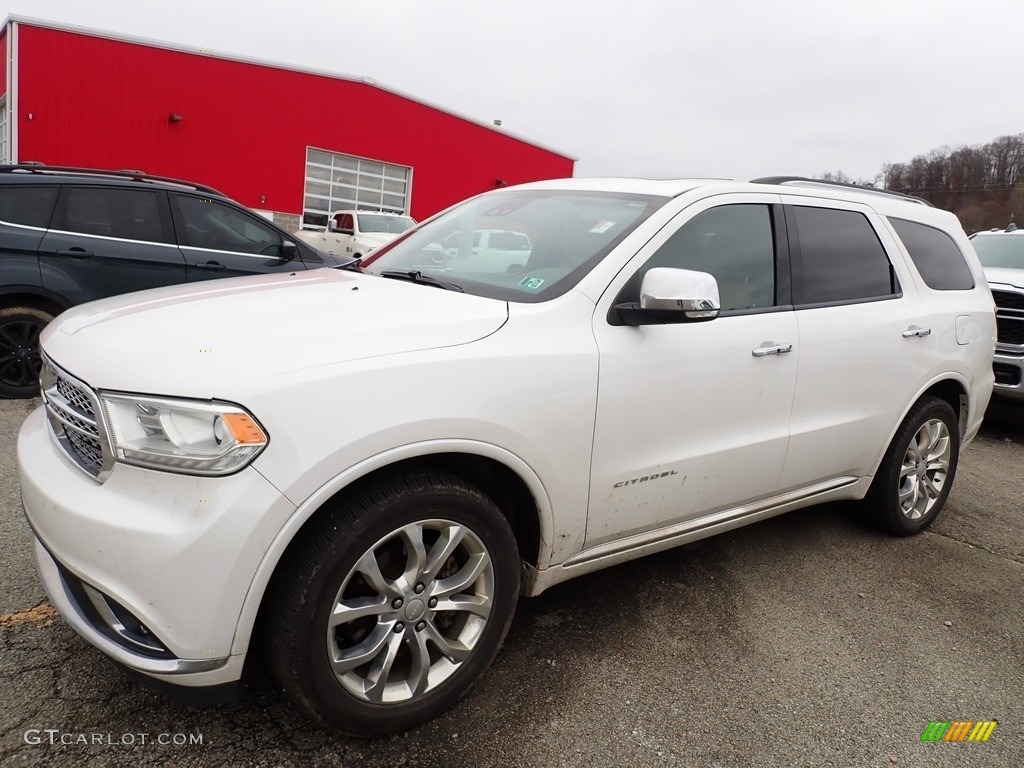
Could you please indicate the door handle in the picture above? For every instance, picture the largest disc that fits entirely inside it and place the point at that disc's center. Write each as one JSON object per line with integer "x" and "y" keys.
{"x": 771, "y": 349}
{"x": 914, "y": 330}
{"x": 76, "y": 253}
{"x": 212, "y": 266}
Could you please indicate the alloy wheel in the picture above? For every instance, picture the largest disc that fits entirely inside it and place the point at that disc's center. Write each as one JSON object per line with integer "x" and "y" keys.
{"x": 20, "y": 362}
{"x": 410, "y": 611}
{"x": 924, "y": 469}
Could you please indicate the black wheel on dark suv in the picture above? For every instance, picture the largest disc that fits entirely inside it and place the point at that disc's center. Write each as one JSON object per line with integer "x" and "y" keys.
{"x": 19, "y": 350}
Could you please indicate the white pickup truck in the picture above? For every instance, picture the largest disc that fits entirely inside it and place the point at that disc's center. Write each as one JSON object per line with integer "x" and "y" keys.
{"x": 356, "y": 233}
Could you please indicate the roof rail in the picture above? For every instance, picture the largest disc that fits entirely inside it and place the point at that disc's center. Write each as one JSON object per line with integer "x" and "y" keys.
{"x": 41, "y": 168}
{"x": 805, "y": 182}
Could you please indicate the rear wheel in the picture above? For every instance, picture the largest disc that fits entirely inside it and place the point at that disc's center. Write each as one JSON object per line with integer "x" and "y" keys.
{"x": 394, "y": 605}
{"x": 19, "y": 350}
{"x": 914, "y": 479}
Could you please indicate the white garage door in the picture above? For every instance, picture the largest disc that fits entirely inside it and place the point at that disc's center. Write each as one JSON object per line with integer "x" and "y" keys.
{"x": 335, "y": 182}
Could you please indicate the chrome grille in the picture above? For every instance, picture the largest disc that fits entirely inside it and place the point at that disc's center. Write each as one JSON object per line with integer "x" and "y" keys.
{"x": 1008, "y": 299}
{"x": 71, "y": 407}
{"x": 74, "y": 397}
{"x": 1010, "y": 330}
{"x": 1009, "y": 317}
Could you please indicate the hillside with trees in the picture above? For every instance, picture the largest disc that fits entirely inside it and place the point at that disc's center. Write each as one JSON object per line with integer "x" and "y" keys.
{"x": 983, "y": 184}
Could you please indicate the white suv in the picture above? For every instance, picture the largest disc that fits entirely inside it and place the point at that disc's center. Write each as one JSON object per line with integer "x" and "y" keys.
{"x": 366, "y": 468}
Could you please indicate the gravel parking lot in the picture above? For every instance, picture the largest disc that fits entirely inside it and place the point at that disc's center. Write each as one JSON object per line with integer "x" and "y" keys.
{"x": 807, "y": 640}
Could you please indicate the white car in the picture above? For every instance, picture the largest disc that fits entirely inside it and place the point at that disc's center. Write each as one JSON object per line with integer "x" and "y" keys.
{"x": 489, "y": 250}
{"x": 372, "y": 483}
{"x": 356, "y": 234}
{"x": 1001, "y": 252}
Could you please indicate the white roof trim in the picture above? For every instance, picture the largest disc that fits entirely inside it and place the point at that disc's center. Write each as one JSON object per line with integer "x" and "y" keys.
{"x": 34, "y": 22}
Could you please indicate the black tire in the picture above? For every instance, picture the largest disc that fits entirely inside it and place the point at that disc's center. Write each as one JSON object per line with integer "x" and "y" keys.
{"x": 19, "y": 350}
{"x": 884, "y": 506}
{"x": 328, "y": 563}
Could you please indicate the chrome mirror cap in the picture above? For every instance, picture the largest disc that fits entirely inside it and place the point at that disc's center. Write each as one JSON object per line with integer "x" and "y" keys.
{"x": 683, "y": 290}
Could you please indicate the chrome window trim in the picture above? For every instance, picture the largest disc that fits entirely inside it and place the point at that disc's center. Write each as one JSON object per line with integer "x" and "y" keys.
{"x": 230, "y": 253}
{"x": 23, "y": 226}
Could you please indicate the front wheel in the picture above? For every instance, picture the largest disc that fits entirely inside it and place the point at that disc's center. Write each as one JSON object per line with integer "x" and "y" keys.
{"x": 20, "y": 359}
{"x": 916, "y": 474}
{"x": 394, "y": 605}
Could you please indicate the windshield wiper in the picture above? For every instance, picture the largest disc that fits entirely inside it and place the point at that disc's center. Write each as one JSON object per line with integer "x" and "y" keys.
{"x": 415, "y": 276}
{"x": 352, "y": 265}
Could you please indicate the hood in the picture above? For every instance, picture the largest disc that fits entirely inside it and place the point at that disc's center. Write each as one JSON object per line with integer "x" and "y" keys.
{"x": 215, "y": 338}
{"x": 1014, "y": 277}
{"x": 377, "y": 239}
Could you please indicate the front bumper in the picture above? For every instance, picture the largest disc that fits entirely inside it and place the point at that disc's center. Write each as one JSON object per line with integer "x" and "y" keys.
{"x": 1008, "y": 365}
{"x": 150, "y": 567}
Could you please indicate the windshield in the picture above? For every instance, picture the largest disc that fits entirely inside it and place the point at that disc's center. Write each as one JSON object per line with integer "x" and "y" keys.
{"x": 1000, "y": 250}
{"x": 376, "y": 222}
{"x": 526, "y": 245}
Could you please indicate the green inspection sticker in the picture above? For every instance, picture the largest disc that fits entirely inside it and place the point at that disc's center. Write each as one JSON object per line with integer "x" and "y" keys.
{"x": 531, "y": 283}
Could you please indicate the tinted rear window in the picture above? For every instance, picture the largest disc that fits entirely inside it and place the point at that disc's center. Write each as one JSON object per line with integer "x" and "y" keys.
{"x": 843, "y": 260}
{"x": 127, "y": 214}
{"x": 31, "y": 206}
{"x": 935, "y": 255}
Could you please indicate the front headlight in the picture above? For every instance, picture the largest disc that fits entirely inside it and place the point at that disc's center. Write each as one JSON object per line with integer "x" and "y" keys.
{"x": 199, "y": 438}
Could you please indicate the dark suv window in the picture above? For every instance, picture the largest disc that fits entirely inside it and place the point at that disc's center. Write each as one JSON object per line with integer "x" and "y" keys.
{"x": 127, "y": 214}
{"x": 734, "y": 243}
{"x": 219, "y": 227}
{"x": 842, "y": 258}
{"x": 28, "y": 205}
{"x": 935, "y": 255}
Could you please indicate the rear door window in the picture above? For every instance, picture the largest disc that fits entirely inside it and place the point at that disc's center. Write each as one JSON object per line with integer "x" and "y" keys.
{"x": 30, "y": 206}
{"x": 935, "y": 255}
{"x": 842, "y": 260}
{"x": 123, "y": 214}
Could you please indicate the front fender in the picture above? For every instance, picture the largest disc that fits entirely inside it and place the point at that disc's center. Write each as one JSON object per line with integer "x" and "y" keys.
{"x": 305, "y": 510}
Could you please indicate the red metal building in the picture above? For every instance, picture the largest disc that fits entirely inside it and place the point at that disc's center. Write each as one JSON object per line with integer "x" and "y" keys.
{"x": 290, "y": 142}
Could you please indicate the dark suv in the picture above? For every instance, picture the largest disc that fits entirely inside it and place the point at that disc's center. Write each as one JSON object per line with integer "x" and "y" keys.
{"x": 71, "y": 235}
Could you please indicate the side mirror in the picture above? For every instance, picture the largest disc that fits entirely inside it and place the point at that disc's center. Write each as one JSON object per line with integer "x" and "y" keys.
{"x": 289, "y": 250}
{"x": 332, "y": 225}
{"x": 670, "y": 295}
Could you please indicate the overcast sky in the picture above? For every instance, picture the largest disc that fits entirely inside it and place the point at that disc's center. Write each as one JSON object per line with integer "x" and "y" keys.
{"x": 662, "y": 88}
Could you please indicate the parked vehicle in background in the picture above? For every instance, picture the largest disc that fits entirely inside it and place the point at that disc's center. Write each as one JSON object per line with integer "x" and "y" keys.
{"x": 356, "y": 234}
{"x": 1001, "y": 252}
{"x": 72, "y": 235}
{"x": 489, "y": 250}
{"x": 370, "y": 478}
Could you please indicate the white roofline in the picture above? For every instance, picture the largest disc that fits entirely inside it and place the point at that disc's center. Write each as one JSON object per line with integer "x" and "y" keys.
{"x": 106, "y": 35}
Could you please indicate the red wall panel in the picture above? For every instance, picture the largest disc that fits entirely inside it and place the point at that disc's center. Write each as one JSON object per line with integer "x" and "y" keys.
{"x": 3, "y": 61}
{"x": 104, "y": 103}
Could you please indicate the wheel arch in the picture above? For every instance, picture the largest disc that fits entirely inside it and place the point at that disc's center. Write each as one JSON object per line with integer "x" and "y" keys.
{"x": 505, "y": 478}
{"x": 31, "y": 296}
{"x": 953, "y": 389}
{"x": 954, "y": 392}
